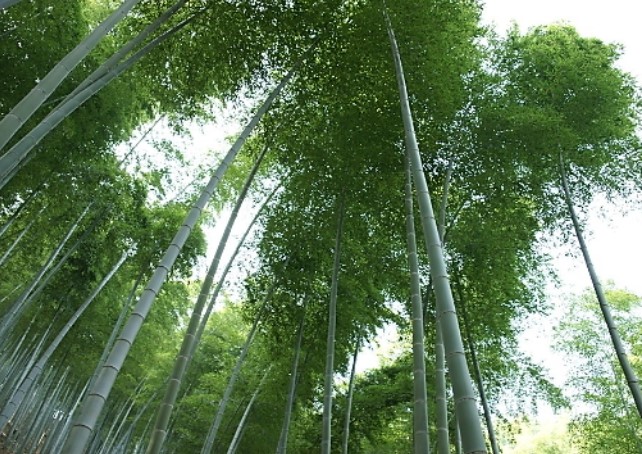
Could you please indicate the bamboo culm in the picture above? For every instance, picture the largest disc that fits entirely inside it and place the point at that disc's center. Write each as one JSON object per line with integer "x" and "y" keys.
{"x": 14, "y": 403}
{"x": 116, "y": 329}
{"x": 228, "y": 266}
{"x": 443, "y": 439}
{"x": 211, "y": 434}
{"x": 20, "y": 154}
{"x": 421, "y": 440}
{"x": 478, "y": 375}
{"x": 15, "y": 242}
{"x": 98, "y": 394}
{"x": 346, "y": 421}
{"x": 332, "y": 326}
{"x": 465, "y": 402}
{"x": 236, "y": 439}
{"x": 44, "y": 281}
{"x": 22, "y": 206}
{"x": 189, "y": 340}
{"x": 19, "y": 115}
{"x": 20, "y": 303}
{"x": 126, "y": 49}
{"x": 620, "y": 351}
{"x": 283, "y": 438}
{"x": 69, "y": 418}
{"x": 121, "y": 419}
{"x": 4, "y": 4}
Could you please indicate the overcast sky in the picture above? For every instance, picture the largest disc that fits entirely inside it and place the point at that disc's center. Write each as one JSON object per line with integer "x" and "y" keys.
{"x": 616, "y": 21}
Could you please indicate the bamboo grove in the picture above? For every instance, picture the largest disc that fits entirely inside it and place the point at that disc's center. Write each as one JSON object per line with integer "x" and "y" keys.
{"x": 400, "y": 165}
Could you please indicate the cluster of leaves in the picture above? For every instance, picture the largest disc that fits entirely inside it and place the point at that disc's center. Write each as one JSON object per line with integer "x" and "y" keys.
{"x": 606, "y": 416}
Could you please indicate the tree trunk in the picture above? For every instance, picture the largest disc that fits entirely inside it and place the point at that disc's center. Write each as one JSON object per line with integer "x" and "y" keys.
{"x": 478, "y": 376}
{"x": 189, "y": 340}
{"x": 57, "y": 444}
{"x": 421, "y": 440}
{"x": 116, "y": 329}
{"x": 121, "y": 419}
{"x": 443, "y": 439}
{"x": 465, "y": 402}
{"x": 19, "y": 115}
{"x": 16, "y": 213}
{"x": 20, "y": 154}
{"x": 4, "y": 4}
{"x": 17, "y": 309}
{"x": 93, "y": 404}
{"x": 20, "y": 303}
{"x": 346, "y": 422}
{"x": 332, "y": 325}
{"x": 221, "y": 280}
{"x": 14, "y": 403}
{"x": 287, "y": 416}
{"x": 236, "y": 439}
{"x": 211, "y": 434}
{"x": 15, "y": 242}
{"x": 631, "y": 378}
{"x": 112, "y": 61}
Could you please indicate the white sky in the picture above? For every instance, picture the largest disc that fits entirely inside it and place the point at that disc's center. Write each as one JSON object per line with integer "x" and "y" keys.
{"x": 611, "y": 21}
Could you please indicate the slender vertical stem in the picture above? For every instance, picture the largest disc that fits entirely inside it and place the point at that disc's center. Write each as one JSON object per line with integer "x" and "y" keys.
{"x": 223, "y": 276}
{"x": 15, "y": 242}
{"x": 15, "y": 401}
{"x": 19, "y": 115}
{"x": 443, "y": 439}
{"x": 465, "y": 402}
{"x": 211, "y": 434}
{"x": 98, "y": 394}
{"x": 457, "y": 436}
{"x": 19, "y": 305}
{"x": 116, "y": 328}
{"x": 478, "y": 375}
{"x": 16, "y": 213}
{"x": 420, "y": 399}
{"x": 189, "y": 340}
{"x": 236, "y": 439}
{"x": 346, "y": 422}
{"x": 332, "y": 326}
{"x": 283, "y": 439}
{"x": 117, "y": 56}
{"x": 631, "y": 377}
{"x": 21, "y": 153}
{"x": 4, "y": 4}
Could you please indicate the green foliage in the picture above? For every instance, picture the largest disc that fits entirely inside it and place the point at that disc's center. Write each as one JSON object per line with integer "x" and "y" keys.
{"x": 499, "y": 114}
{"x": 551, "y": 437}
{"x": 607, "y": 417}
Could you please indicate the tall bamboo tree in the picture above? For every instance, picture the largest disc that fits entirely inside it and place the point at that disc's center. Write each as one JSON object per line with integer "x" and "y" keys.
{"x": 36, "y": 370}
{"x": 188, "y": 345}
{"x": 346, "y": 422}
{"x": 96, "y": 397}
{"x": 283, "y": 438}
{"x": 21, "y": 153}
{"x": 631, "y": 377}
{"x": 465, "y": 402}
{"x": 420, "y": 398}
{"x": 332, "y": 324}
{"x": 216, "y": 423}
{"x": 236, "y": 439}
{"x": 443, "y": 440}
{"x": 14, "y": 120}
